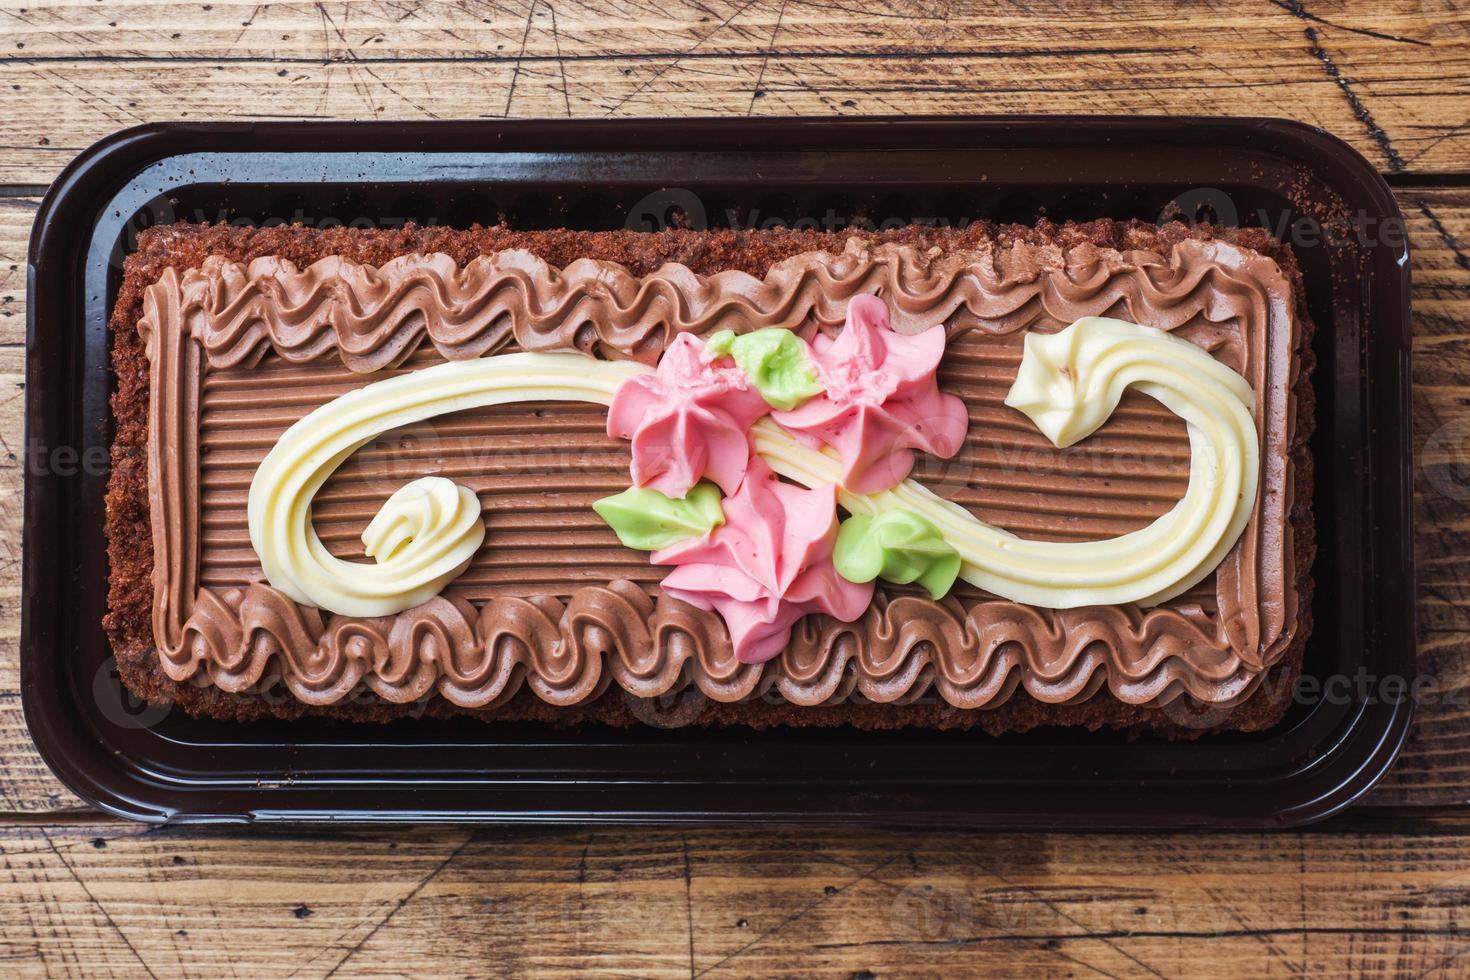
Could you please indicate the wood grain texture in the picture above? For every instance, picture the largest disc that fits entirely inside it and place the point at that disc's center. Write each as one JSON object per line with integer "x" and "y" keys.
{"x": 106, "y": 899}
{"x": 1377, "y": 893}
{"x": 26, "y": 785}
{"x": 1390, "y": 78}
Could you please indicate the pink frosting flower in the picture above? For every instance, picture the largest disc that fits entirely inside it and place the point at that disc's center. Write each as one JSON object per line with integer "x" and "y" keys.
{"x": 687, "y": 420}
{"x": 767, "y": 566}
{"x": 881, "y": 401}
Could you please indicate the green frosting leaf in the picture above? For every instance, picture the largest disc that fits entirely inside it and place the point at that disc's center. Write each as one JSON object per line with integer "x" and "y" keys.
{"x": 646, "y": 520}
{"x": 896, "y": 546}
{"x": 775, "y": 361}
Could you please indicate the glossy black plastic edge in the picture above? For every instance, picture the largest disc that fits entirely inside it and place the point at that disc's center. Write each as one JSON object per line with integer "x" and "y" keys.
{"x": 1344, "y": 772}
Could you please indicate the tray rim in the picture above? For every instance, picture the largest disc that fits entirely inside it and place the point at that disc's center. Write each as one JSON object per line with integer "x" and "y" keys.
{"x": 94, "y": 786}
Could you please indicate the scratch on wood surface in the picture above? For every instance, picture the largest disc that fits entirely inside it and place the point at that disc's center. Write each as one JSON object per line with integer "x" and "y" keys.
{"x": 1301, "y": 898}
{"x": 1265, "y": 91}
{"x": 1451, "y": 932}
{"x": 245, "y": 25}
{"x": 1295, "y": 8}
{"x": 916, "y": 54}
{"x": 1051, "y": 943}
{"x": 1442, "y": 964}
{"x": 1447, "y": 134}
{"x": 1278, "y": 954}
{"x": 1451, "y": 242}
{"x": 515, "y": 74}
{"x": 119, "y": 115}
{"x": 581, "y": 878}
{"x": 877, "y": 12}
{"x": 799, "y": 914}
{"x": 24, "y": 16}
{"x": 1086, "y": 932}
{"x": 1345, "y": 85}
{"x": 688, "y": 901}
{"x": 643, "y": 86}
{"x": 106, "y": 916}
{"x": 433, "y": 873}
{"x": 561, "y": 65}
{"x": 756, "y": 92}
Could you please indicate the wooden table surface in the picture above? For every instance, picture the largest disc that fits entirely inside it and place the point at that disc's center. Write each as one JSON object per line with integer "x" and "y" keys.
{"x": 1377, "y": 892}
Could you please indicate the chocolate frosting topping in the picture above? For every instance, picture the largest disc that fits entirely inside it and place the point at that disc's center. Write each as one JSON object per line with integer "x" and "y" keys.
{"x": 568, "y": 652}
{"x": 240, "y": 351}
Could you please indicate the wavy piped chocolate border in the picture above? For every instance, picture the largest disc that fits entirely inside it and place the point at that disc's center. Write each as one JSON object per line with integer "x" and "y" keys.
{"x": 228, "y": 315}
{"x": 569, "y": 652}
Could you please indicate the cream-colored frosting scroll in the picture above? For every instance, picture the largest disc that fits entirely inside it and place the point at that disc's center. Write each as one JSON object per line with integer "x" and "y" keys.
{"x": 425, "y": 534}
{"x": 1068, "y": 383}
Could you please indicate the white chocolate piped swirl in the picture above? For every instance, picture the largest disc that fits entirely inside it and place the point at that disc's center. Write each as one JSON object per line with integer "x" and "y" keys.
{"x": 1068, "y": 383}
{"x": 425, "y": 535}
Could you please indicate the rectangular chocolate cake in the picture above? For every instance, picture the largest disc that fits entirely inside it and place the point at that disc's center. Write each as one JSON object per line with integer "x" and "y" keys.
{"x": 225, "y": 337}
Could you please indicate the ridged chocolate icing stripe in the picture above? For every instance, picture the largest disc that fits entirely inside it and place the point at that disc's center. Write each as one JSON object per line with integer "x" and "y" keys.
{"x": 553, "y": 602}
{"x": 173, "y": 459}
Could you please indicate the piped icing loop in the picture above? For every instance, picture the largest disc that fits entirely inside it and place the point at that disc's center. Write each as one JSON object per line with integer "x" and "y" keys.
{"x": 880, "y": 401}
{"x": 424, "y": 537}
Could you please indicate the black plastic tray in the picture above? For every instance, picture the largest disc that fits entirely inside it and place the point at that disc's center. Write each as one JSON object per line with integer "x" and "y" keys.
{"x": 163, "y": 766}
